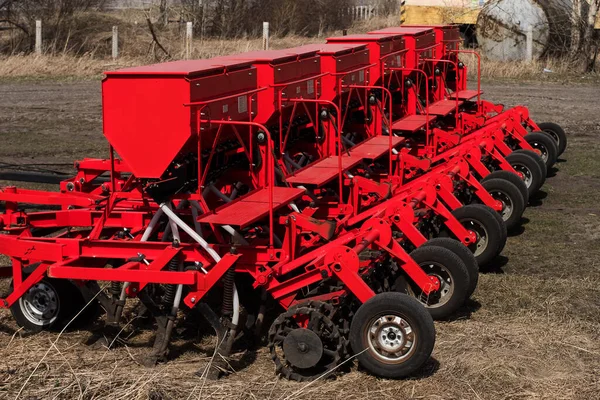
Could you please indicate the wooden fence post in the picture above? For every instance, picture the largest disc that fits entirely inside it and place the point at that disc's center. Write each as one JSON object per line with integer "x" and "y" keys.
{"x": 115, "y": 42}
{"x": 265, "y": 36}
{"x": 38, "y": 37}
{"x": 189, "y": 34}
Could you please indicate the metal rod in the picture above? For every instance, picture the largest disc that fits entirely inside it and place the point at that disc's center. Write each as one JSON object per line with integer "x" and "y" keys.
{"x": 269, "y": 170}
{"x": 338, "y": 128}
{"x": 203, "y": 243}
{"x": 476, "y": 54}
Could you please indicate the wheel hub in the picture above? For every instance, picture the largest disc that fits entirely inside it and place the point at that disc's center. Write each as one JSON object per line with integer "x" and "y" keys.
{"x": 445, "y": 290}
{"x": 525, "y": 174}
{"x": 40, "y": 305}
{"x": 303, "y": 348}
{"x": 507, "y": 205}
{"x": 554, "y": 135}
{"x": 391, "y": 338}
{"x": 541, "y": 150}
{"x": 482, "y": 237}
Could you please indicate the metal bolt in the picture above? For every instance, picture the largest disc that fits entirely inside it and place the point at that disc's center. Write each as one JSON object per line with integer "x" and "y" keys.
{"x": 193, "y": 300}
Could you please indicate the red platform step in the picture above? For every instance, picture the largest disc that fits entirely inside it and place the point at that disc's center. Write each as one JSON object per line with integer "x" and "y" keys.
{"x": 375, "y": 147}
{"x": 412, "y": 123}
{"x": 465, "y": 95}
{"x": 323, "y": 171}
{"x": 443, "y": 107}
{"x": 254, "y": 206}
{"x": 327, "y": 169}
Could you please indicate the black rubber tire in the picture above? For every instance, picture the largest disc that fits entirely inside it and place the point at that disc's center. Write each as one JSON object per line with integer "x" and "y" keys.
{"x": 410, "y": 310}
{"x": 512, "y": 178}
{"x": 488, "y": 220}
{"x": 63, "y": 292}
{"x": 537, "y": 159}
{"x": 545, "y": 143}
{"x": 505, "y": 191}
{"x": 525, "y": 161}
{"x": 557, "y": 133}
{"x": 454, "y": 267}
{"x": 465, "y": 256}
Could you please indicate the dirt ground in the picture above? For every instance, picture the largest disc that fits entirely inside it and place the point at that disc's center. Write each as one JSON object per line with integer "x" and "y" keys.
{"x": 532, "y": 330}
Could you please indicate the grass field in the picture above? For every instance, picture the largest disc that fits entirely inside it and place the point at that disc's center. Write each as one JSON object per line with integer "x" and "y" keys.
{"x": 532, "y": 330}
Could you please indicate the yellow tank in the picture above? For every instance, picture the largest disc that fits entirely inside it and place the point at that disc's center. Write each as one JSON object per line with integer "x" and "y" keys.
{"x": 436, "y": 12}
{"x": 436, "y": 15}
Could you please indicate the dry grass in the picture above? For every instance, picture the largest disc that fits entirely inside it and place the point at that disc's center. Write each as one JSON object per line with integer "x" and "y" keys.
{"x": 63, "y": 66}
{"x": 67, "y": 66}
{"x": 552, "y": 70}
{"x": 541, "y": 352}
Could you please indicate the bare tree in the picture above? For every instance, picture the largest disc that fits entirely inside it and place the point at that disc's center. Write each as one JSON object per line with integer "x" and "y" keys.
{"x": 238, "y": 18}
{"x": 21, "y": 15}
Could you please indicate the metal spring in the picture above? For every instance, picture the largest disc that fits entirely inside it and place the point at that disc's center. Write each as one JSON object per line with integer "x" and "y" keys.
{"x": 228, "y": 281}
{"x": 170, "y": 290}
{"x": 115, "y": 288}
